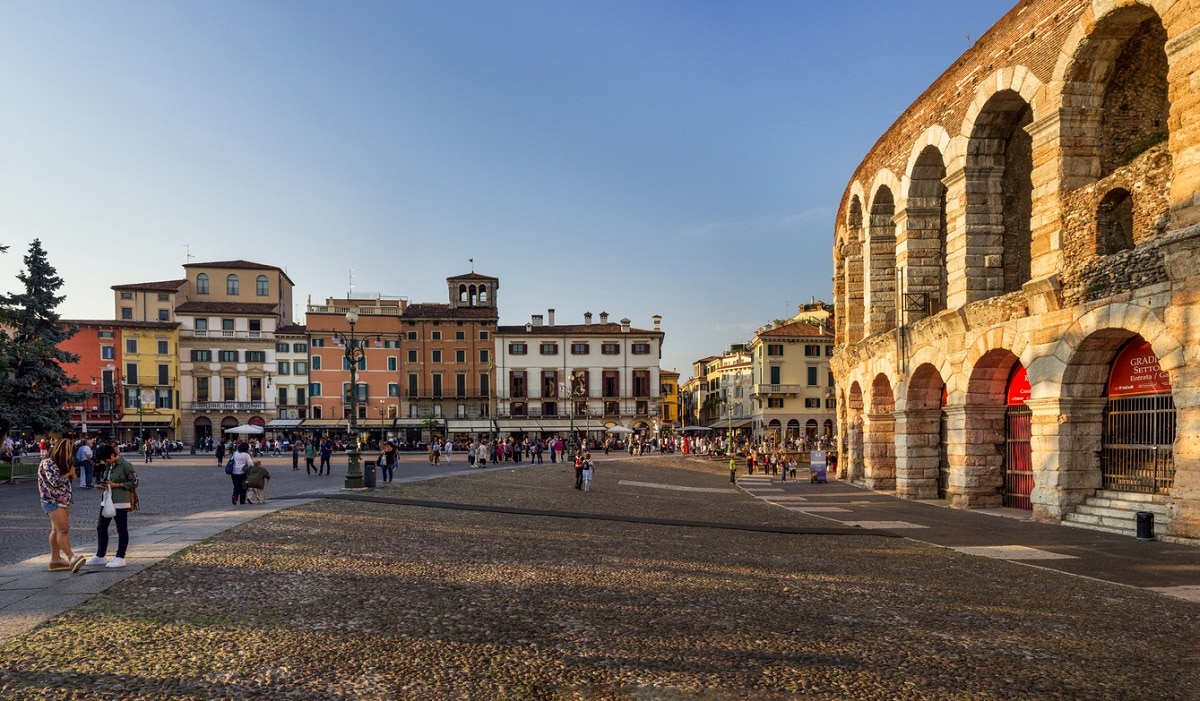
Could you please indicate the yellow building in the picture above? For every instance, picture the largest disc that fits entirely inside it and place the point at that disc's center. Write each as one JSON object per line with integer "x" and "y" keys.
{"x": 149, "y": 379}
{"x": 670, "y": 410}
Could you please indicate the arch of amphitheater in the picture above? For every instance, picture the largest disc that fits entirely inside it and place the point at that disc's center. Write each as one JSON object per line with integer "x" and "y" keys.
{"x": 1017, "y": 274}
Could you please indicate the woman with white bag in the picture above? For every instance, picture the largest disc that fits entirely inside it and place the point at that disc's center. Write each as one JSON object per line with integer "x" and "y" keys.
{"x": 118, "y": 482}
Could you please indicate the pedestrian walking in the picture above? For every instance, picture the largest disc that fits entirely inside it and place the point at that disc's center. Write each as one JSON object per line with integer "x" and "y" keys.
{"x": 257, "y": 479}
{"x": 578, "y": 471}
{"x": 220, "y": 452}
{"x": 387, "y": 461}
{"x": 148, "y": 449}
{"x": 448, "y": 451}
{"x": 588, "y": 466}
{"x": 326, "y": 453}
{"x": 733, "y": 469}
{"x": 242, "y": 462}
{"x": 55, "y": 473}
{"x": 295, "y": 456}
{"x": 84, "y": 464}
{"x": 481, "y": 454}
{"x": 118, "y": 477}
{"x": 310, "y": 454}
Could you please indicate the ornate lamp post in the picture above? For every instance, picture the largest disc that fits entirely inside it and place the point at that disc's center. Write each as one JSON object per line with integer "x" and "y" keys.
{"x": 354, "y": 477}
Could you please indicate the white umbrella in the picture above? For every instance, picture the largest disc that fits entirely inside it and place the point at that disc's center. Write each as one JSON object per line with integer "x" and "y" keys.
{"x": 245, "y": 430}
{"x": 619, "y": 429}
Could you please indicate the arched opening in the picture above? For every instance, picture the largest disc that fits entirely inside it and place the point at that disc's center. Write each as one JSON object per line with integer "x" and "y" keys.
{"x": 827, "y": 431}
{"x": 984, "y": 453}
{"x": 201, "y": 429}
{"x": 483, "y": 294}
{"x": 810, "y": 429}
{"x": 1139, "y": 423}
{"x": 1135, "y": 107}
{"x": 462, "y": 293}
{"x": 775, "y": 432}
{"x": 999, "y": 197}
{"x": 852, "y": 256}
{"x": 1018, "y": 430}
{"x": 793, "y": 430}
{"x": 881, "y": 256}
{"x": 923, "y": 470}
{"x": 1114, "y": 222}
{"x": 879, "y": 457}
{"x": 262, "y": 286}
{"x": 231, "y": 285}
{"x": 855, "y": 442}
{"x": 202, "y": 284}
{"x": 925, "y": 247}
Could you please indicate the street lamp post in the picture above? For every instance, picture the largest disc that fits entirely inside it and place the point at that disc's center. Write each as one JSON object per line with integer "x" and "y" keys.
{"x": 354, "y": 354}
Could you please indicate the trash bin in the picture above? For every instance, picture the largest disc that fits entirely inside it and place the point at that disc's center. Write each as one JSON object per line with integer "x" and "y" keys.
{"x": 193, "y": 449}
{"x": 368, "y": 470}
{"x": 1145, "y": 525}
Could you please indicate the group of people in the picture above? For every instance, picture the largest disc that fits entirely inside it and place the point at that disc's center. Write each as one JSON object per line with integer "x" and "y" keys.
{"x": 250, "y": 478}
{"x": 101, "y": 468}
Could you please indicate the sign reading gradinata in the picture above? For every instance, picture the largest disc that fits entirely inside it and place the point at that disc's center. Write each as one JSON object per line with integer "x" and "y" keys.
{"x": 1136, "y": 371}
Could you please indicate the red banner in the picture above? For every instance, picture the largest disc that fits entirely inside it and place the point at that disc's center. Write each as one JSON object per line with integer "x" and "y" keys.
{"x": 1136, "y": 371}
{"x": 1018, "y": 387}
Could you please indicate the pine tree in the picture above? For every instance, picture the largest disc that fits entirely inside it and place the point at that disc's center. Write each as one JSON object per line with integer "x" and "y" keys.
{"x": 34, "y": 390}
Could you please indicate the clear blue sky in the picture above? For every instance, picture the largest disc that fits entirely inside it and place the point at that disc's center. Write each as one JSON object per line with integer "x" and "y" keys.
{"x": 630, "y": 156}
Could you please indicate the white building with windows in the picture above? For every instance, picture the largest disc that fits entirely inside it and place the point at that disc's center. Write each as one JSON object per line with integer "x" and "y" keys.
{"x": 552, "y": 378}
{"x": 793, "y": 387}
{"x": 290, "y": 381}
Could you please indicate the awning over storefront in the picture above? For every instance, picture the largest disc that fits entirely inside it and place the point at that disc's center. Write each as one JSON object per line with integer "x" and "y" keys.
{"x": 284, "y": 423}
{"x": 469, "y": 426}
{"x": 324, "y": 423}
{"x": 144, "y": 422}
{"x": 519, "y": 425}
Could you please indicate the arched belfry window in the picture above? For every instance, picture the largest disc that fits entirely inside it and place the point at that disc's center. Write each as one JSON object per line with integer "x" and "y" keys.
{"x": 483, "y": 294}
{"x": 462, "y": 293}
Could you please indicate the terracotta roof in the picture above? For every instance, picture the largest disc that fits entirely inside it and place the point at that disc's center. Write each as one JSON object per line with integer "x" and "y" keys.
{"x": 797, "y": 330}
{"x": 163, "y": 286}
{"x": 226, "y": 308}
{"x": 238, "y": 264}
{"x": 572, "y": 330}
{"x": 124, "y": 324}
{"x": 292, "y": 329}
{"x": 427, "y": 310}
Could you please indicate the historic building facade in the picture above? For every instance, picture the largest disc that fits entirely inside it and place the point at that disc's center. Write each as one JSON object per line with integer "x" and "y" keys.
{"x": 553, "y": 378}
{"x": 791, "y": 383}
{"x": 1017, "y": 264}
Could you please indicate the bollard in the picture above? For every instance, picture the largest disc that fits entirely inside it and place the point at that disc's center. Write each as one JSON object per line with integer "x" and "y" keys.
{"x": 1145, "y": 525}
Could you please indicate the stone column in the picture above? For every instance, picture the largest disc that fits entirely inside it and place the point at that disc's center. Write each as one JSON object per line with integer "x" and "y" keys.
{"x": 852, "y": 462}
{"x": 975, "y": 443}
{"x": 1183, "y": 72}
{"x": 1065, "y": 440}
{"x": 1184, "y": 510}
{"x": 917, "y": 442}
{"x": 879, "y": 452}
{"x": 956, "y": 238}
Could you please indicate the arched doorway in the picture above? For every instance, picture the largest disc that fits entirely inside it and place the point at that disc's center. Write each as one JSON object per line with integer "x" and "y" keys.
{"x": 774, "y": 429}
{"x": 228, "y": 422}
{"x": 1139, "y": 423}
{"x": 810, "y": 429}
{"x": 201, "y": 429}
{"x": 1018, "y": 457}
{"x": 793, "y": 430}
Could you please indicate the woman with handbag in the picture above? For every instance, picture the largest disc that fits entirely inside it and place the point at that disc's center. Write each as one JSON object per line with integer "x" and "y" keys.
{"x": 54, "y": 486}
{"x": 118, "y": 480}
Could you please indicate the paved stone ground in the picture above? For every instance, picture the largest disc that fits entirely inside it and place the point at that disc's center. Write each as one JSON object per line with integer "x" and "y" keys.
{"x": 356, "y": 600}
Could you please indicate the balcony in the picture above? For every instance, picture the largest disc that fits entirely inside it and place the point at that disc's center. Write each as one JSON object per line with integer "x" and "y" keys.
{"x": 225, "y": 406}
{"x": 223, "y": 335}
{"x": 769, "y": 390}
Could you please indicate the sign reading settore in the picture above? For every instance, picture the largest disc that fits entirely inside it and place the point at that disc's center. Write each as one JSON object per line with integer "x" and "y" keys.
{"x": 1136, "y": 371}
{"x": 1018, "y": 387}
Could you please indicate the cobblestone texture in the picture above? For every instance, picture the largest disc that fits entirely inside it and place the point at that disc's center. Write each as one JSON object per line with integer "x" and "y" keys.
{"x": 376, "y": 601}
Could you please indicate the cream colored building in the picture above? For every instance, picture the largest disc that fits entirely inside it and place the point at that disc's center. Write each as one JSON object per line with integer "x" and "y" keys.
{"x": 792, "y": 385}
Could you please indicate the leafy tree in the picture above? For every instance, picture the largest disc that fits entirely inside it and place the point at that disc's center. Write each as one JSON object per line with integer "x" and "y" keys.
{"x": 33, "y": 384}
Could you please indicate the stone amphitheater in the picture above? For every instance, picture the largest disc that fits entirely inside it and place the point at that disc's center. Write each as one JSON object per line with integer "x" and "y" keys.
{"x": 1017, "y": 276}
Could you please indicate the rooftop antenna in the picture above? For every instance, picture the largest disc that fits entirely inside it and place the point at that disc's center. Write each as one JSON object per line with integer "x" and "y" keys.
{"x": 472, "y": 262}
{"x": 187, "y": 247}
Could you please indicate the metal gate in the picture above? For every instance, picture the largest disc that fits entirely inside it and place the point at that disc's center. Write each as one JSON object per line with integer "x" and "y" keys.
{"x": 1139, "y": 433}
{"x": 1018, "y": 458}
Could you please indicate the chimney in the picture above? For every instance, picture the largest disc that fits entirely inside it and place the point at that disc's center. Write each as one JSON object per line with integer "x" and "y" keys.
{"x": 624, "y": 325}
{"x": 550, "y": 316}
{"x": 657, "y": 322}
{"x": 587, "y": 318}
{"x": 603, "y": 317}
{"x": 528, "y": 328}
{"x": 537, "y": 319}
